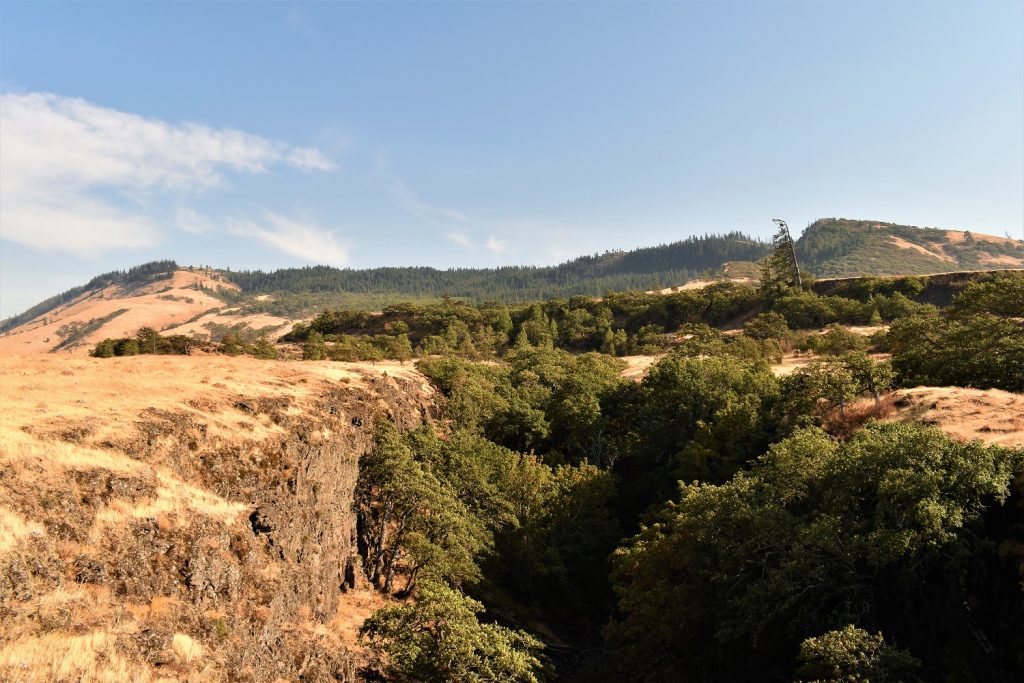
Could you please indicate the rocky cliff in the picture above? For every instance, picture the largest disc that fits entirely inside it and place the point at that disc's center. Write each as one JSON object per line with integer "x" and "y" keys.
{"x": 186, "y": 518}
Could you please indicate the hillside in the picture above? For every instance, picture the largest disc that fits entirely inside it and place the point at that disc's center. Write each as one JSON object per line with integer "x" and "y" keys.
{"x": 208, "y": 304}
{"x": 186, "y": 518}
{"x": 832, "y": 247}
{"x": 116, "y": 307}
{"x": 217, "y": 516}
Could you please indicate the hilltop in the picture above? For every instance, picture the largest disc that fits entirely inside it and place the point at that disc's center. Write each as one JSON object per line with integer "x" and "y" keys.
{"x": 209, "y": 303}
{"x": 839, "y": 247}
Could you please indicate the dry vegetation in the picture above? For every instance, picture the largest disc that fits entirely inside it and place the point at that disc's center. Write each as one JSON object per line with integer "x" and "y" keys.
{"x": 991, "y": 415}
{"x": 172, "y": 306}
{"x": 177, "y": 518}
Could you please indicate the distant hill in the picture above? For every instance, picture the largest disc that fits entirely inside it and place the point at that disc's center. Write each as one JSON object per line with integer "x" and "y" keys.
{"x": 208, "y": 302}
{"x": 643, "y": 268}
{"x": 840, "y": 247}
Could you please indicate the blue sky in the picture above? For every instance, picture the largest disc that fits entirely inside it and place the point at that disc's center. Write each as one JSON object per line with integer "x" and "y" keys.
{"x": 446, "y": 134}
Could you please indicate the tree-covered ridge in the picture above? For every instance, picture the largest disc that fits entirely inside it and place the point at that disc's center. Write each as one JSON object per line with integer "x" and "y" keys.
{"x": 644, "y": 268}
{"x": 840, "y": 247}
{"x": 136, "y": 275}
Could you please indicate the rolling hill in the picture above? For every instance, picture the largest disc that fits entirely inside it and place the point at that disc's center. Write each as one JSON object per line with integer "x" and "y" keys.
{"x": 840, "y": 247}
{"x": 209, "y": 303}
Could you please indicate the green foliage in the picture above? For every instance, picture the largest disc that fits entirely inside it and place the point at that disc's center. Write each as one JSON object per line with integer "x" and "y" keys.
{"x": 640, "y": 269}
{"x": 126, "y": 347}
{"x": 103, "y": 349}
{"x": 983, "y": 351}
{"x": 697, "y": 418}
{"x": 439, "y": 638}
{"x": 314, "y": 348}
{"x": 852, "y": 655}
{"x": 818, "y": 534}
{"x": 232, "y": 345}
{"x": 263, "y": 348}
{"x": 411, "y": 520}
{"x": 544, "y": 400}
{"x": 770, "y": 325}
{"x": 843, "y": 248}
{"x": 779, "y": 270}
{"x": 146, "y": 340}
{"x": 835, "y": 341}
{"x": 1002, "y": 295}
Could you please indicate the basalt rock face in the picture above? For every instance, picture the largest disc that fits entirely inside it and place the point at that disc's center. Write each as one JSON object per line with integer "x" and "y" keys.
{"x": 210, "y": 540}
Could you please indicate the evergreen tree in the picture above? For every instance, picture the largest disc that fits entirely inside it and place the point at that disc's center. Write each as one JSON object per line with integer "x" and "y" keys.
{"x": 780, "y": 270}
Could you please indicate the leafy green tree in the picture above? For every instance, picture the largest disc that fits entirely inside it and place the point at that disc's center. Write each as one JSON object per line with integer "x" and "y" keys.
{"x": 314, "y": 348}
{"x": 696, "y": 418}
{"x": 103, "y": 349}
{"x": 263, "y": 348}
{"x": 831, "y": 383}
{"x": 410, "y": 520}
{"x": 837, "y": 340}
{"x": 852, "y": 655}
{"x": 770, "y": 325}
{"x": 818, "y": 534}
{"x": 983, "y": 351}
{"x": 870, "y": 376}
{"x": 149, "y": 340}
{"x": 127, "y": 347}
{"x": 232, "y": 345}
{"x": 608, "y": 342}
{"x": 1002, "y": 295}
{"x": 439, "y": 638}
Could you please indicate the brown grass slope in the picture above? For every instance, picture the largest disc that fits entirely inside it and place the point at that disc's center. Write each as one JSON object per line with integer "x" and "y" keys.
{"x": 177, "y": 518}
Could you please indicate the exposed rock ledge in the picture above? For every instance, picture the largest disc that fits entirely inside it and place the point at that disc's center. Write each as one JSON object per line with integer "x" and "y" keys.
{"x": 185, "y": 518}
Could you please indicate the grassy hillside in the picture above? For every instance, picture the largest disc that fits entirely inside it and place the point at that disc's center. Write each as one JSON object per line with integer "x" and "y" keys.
{"x": 840, "y": 247}
{"x": 828, "y": 248}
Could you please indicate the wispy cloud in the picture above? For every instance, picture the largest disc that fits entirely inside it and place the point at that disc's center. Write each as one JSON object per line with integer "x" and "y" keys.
{"x": 304, "y": 240}
{"x": 78, "y": 177}
{"x": 459, "y": 238}
{"x": 191, "y": 221}
{"x": 409, "y": 201}
{"x": 497, "y": 246}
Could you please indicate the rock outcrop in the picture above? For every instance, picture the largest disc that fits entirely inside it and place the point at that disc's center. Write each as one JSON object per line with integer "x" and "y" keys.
{"x": 193, "y": 522}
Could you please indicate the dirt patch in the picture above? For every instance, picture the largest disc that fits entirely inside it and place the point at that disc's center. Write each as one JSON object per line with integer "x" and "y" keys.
{"x": 637, "y": 366}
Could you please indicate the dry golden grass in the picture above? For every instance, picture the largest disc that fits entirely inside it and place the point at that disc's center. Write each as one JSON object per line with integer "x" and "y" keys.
{"x": 187, "y": 649}
{"x": 175, "y": 500}
{"x": 88, "y": 658}
{"x": 956, "y": 236}
{"x": 14, "y": 527}
{"x": 904, "y": 244}
{"x": 147, "y": 307}
{"x": 68, "y": 427}
{"x": 993, "y": 416}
